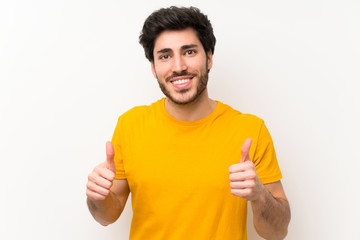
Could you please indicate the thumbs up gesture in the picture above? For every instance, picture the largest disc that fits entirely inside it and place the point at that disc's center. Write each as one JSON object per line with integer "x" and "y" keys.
{"x": 245, "y": 182}
{"x": 101, "y": 178}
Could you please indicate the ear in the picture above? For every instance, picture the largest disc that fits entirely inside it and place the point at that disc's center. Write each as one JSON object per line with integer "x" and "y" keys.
{"x": 153, "y": 69}
{"x": 209, "y": 59}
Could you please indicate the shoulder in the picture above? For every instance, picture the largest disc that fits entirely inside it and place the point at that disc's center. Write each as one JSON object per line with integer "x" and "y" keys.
{"x": 237, "y": 117}
{"x": 140, "y": 113}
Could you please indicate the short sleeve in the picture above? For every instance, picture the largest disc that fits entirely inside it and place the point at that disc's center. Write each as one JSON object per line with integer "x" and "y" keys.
{"x": 265, "y": 160}
{"x": 118, "y": 157}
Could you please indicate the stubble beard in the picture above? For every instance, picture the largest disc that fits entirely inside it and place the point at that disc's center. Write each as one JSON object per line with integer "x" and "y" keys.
{"x": 203, "y": 80}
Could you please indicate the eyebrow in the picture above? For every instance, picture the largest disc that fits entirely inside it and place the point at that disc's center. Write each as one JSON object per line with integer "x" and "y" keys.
{"x": 165, "y": 50}
{"x": 189, "y": 46}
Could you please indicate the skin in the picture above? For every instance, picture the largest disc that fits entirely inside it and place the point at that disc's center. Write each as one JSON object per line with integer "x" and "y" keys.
{"x": 180, "y": 55}
{"x": 176, "y": 52}
{"x": 270, "y": 206}
{"x": 106, "y": 196}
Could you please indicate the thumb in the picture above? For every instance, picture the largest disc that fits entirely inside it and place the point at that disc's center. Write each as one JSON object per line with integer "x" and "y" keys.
{"x": 110, "y": 156}
{"x": 245, "y": 150}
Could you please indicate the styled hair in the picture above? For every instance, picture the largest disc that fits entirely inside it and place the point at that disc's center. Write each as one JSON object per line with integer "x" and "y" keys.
{"x": 176, "y": 18}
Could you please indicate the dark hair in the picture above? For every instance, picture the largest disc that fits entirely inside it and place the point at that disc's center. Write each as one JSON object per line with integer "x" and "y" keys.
{"x": 176, "y": 18}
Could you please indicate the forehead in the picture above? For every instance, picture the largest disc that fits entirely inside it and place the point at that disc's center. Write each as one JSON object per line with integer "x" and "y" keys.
{"x": 174, "y": 39}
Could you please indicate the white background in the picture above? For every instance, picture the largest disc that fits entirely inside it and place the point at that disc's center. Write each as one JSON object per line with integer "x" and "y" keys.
{"x": 68, "y": 69}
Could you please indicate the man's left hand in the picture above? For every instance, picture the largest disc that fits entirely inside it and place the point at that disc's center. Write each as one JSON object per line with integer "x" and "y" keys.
{"x": 245, "y": 182}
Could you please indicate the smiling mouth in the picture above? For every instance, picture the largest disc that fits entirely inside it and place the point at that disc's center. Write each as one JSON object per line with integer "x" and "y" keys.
{"x": 180, "y": 81}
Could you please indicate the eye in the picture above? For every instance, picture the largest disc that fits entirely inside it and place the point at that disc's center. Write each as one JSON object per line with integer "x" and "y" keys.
{"x": 164, "y": 57}
{"x": 190, "y": 52}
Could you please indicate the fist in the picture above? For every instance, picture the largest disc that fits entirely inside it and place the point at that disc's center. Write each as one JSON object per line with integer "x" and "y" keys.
{"x": 245, "y": 182}
{"x": 101, "y": 178}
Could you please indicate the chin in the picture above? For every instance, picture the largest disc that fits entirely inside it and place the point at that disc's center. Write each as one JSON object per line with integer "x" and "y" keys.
{"x": 183, "y": 100}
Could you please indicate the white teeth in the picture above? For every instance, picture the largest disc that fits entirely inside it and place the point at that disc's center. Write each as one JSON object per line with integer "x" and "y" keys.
{"x": 181, "y": 81}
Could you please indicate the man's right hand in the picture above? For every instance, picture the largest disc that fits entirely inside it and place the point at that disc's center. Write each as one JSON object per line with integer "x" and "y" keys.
{"x": 101, "y": 178}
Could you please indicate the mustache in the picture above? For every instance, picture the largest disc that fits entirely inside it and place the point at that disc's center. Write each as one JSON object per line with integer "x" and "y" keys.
{"x": 182, "y": 73}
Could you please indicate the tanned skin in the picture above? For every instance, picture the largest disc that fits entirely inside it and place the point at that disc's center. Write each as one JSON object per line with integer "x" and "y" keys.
{"x": 270, "y": 206}
{"x": 175, "y": 52}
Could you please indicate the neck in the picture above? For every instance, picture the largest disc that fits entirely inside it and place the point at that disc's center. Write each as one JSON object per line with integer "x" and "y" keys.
{"x": 193, "y": 111}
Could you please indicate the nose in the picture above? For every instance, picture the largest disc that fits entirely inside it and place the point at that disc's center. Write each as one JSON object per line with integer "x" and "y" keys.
{"x": 179, "y": 64}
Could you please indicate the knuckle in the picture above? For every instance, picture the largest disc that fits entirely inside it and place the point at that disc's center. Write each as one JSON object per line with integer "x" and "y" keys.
{"x": 234, "y": 168}
{"x": 112, "y": 175}
{"x": 91, "y": 186}
{"x": 233, "y": 177}
{"x": 106, "y": 192}
{"x": 90, "y": 178}
{"x": 248, "y": 165}
{"x": 108, "y": 185}
{"x": 251, "y": 176}
{"x": 246, "y": 193}
{"x": 95, "y": 170}
{"x": 88, "y": 193}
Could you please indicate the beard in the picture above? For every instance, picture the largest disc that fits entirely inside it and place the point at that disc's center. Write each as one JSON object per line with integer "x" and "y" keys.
{"x": 201, "y": 86}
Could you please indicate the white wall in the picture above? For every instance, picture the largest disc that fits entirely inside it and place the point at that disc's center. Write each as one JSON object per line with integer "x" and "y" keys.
{"x": 68, "y": 69}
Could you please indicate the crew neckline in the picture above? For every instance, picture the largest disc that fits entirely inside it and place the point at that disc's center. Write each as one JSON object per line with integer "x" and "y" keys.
{"x": 219, "y": 106}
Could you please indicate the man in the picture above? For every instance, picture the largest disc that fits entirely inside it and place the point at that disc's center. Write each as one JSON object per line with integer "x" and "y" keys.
{"x": 191, "y": 163}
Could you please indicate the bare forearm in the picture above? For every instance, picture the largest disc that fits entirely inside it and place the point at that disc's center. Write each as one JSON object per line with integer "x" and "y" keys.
{"x": 271, "y": 216}
{"x": 105, "y": 211}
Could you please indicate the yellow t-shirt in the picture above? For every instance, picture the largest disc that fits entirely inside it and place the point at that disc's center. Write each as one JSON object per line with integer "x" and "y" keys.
{"x": 178, "y": 171}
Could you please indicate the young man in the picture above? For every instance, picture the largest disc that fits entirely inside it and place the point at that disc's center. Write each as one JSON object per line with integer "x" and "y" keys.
{"x": 191, "y": 163}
